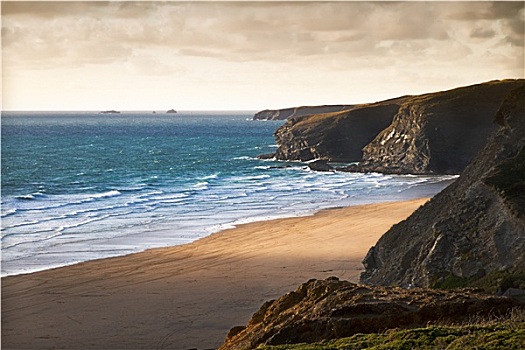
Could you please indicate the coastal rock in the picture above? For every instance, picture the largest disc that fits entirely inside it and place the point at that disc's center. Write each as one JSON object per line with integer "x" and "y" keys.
{"x": 320, "y": 165}
{"x": 285, "y": 113}
{"x": 329, "y": 309}
{"x": 266, "y": 156}
{"x": 338, "y": 136}
{"x": 471, "y": 231}
{"x": 436, "y": 133}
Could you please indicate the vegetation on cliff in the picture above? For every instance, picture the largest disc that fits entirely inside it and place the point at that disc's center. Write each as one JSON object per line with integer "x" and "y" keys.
{"x": 502, "y": 333}
{"x": 285, "y": 113}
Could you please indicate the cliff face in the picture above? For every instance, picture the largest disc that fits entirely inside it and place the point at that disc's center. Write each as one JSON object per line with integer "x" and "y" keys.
{"x": 336, "y": 136}
{"x": 332, "y": 309}
{"x": 435, "y": 133}
{"x": 471, "y": 229}
{"x": 285, "y": 113}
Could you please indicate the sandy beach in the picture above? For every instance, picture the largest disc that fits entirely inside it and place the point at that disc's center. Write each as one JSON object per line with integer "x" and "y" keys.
{"x": 188, "y": 296}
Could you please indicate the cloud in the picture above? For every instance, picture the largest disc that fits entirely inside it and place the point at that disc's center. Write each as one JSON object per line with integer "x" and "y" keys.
{"x": 482, "y": 33}
{"x": 79, "y": 33}
{"x": 305, "y": 42}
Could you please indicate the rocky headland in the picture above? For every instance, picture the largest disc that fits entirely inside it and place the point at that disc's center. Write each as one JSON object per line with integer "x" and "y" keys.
{"x": 472, "y": 230}
{"x": 435, "y": 133}
{"x": 337, "y": 136}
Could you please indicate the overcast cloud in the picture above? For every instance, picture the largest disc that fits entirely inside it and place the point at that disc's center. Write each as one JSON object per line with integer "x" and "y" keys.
{"x": 228, "y": 47}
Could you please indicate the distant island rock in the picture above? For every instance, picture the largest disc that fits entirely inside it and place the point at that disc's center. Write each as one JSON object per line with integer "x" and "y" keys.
{"x": 110, "y": 112}
{"x": 473, "y": 232}
{"x": 171, "y": 111}
{"x": 435, "y": 133}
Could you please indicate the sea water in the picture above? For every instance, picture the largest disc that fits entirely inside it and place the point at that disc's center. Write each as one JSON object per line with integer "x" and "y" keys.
{"x": 78, "y": 186}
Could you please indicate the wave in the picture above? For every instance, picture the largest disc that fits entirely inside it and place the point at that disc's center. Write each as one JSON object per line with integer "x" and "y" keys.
{"x": 106, "y": 194}
{"x": 203, "y": 185}
{"x": 244, "y": 178}
{"x": 8, "y": 212}
{"x": 64, "y": 200}
{"x": 209, "y": 177}
{"x": 245, "y": 158}
{"x": 31, "y": 196}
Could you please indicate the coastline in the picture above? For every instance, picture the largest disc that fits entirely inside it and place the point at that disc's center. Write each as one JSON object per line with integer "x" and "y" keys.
{"x": 190, "y": 295}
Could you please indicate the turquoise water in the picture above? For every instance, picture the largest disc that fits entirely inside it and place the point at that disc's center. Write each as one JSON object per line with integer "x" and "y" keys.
{"x": 81, "y": 186}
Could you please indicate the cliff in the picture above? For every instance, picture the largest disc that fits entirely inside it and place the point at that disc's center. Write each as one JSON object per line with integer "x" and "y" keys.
{"x": 436, "y": 133}
{"x": 473, "y": 230}
{"x": 332, "y": 309}
{"x": 285, "y": 113}
{"x": 338, "y": 136}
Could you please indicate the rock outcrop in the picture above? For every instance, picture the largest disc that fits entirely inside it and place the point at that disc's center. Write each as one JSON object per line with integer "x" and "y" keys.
{"x": 436, "y": 133}
{"x": 329, "y": 309}
{"x": 285, "y": 113}
{"x": 473, "y": 228}
{"x": 338, "y": 136}
{"x": 320, "y": 165}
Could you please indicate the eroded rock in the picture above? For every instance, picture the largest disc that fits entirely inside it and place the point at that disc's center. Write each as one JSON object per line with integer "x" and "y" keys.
{"x": 329, "y": 309}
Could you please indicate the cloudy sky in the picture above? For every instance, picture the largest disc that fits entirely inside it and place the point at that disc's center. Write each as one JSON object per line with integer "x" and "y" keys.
{"x": 249, "y": 55}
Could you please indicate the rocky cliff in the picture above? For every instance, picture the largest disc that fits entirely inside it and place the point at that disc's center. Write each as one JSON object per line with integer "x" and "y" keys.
{"x": 438, "y": 133}
{"x": 285, "y": 113}
{"x": 331, "y": 309}
{"x": 472, "y": 230}
{"x": 338, "y": 136}
{"x": 435, "y": 133}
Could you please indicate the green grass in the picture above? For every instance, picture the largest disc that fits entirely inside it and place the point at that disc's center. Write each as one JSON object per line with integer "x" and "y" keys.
{"x": 496, "y": 281}
{"x": 495, "y": 334}
{"x": 434, "y": 337}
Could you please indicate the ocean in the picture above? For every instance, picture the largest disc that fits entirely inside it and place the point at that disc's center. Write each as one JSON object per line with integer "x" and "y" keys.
{"x": 78, "y": 186}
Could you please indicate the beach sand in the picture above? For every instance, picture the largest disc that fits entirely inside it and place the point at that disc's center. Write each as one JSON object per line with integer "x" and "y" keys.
{"x": 188, "y": 296}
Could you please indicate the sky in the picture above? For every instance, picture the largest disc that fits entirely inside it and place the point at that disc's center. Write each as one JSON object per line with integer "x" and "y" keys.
{"x": 249, "y": 55}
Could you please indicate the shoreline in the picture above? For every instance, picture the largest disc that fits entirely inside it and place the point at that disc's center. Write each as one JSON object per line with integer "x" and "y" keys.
{"x": 189, "y": 295}
{"x": 416, "y": 191}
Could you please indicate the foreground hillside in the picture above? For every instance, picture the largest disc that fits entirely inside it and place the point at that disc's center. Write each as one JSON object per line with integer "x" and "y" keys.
{"x": 323, "y": 310}
{"x": 435, "y": 133}
{"x": 473, "y": 229}
{"x": 508, "y": 334}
